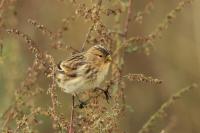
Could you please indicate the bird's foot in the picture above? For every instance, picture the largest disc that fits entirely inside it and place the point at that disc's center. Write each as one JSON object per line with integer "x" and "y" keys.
{"x": 106, "y": 93}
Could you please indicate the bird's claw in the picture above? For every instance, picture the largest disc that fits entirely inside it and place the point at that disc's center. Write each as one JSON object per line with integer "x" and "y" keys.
{"x": 107, "y": 95}
{"x": 82, "y": 104}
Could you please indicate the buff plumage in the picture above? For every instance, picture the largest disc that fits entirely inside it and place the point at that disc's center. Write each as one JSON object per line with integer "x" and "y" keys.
{"x": 84, "y": 70}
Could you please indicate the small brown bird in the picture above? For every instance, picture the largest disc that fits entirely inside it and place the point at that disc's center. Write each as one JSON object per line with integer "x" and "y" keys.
{"x": 84, "y": 70}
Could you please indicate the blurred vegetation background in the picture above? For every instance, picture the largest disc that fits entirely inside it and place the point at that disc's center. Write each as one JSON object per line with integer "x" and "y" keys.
{"x": 175, "y": 59}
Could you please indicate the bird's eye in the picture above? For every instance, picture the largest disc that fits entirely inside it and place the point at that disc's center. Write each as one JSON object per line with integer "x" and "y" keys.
{"x": 100, "y": 56}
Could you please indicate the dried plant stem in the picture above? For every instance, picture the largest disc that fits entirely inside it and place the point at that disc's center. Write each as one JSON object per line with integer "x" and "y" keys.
{"x": 9, "y": 113}
{"x": 71, "y": 130}
{"x": 87, "y": 37}
{"x": 162, "y": 110}
{"x": 128, "y": 18}
{"x": 1, "y": 49}
{"x": 142, "y": 78}
{"x": 52, "y": 36}
{"x": 120, "y": 56}
{"x": 92, "y": 27}
{"x": 1, "y": 4}
{"x": 156, "y": 33}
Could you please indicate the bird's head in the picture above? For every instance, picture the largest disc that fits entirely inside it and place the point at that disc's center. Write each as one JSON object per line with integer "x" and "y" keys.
{"x": 99, "y": 55}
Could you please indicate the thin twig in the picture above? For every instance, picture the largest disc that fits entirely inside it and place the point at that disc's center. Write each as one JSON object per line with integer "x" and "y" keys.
{"x": 162, "y": 110}
{"x": 125, "y": 33}
{"x": 52, "y": 36}
{"x": 92, "y": 27}
{"x": 87, "y": 37}
{"x": 128, "y": 18}
{"x": 8, "y": 115}
{"x": 2, "y": 4}
{"x": 72, "y": 117}
{"x": 1, "y": 49}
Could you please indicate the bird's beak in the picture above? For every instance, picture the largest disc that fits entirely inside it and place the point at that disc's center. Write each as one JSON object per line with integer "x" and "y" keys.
{"x": 109, "y": 58}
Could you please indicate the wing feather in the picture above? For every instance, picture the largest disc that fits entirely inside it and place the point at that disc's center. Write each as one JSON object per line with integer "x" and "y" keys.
{"x": 71, "y": 65}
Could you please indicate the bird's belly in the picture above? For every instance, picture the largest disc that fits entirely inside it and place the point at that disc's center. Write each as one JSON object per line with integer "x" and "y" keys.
{"x": 102, "y": 74}
{"x": 81, "y": 83}
{"x": 73, "y": 85}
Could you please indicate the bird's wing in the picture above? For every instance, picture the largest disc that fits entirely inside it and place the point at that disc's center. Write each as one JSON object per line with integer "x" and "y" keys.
{"x": 72, "y": 64}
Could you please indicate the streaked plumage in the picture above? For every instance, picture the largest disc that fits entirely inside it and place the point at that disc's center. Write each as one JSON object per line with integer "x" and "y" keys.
{"x": 83, "y": 70}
